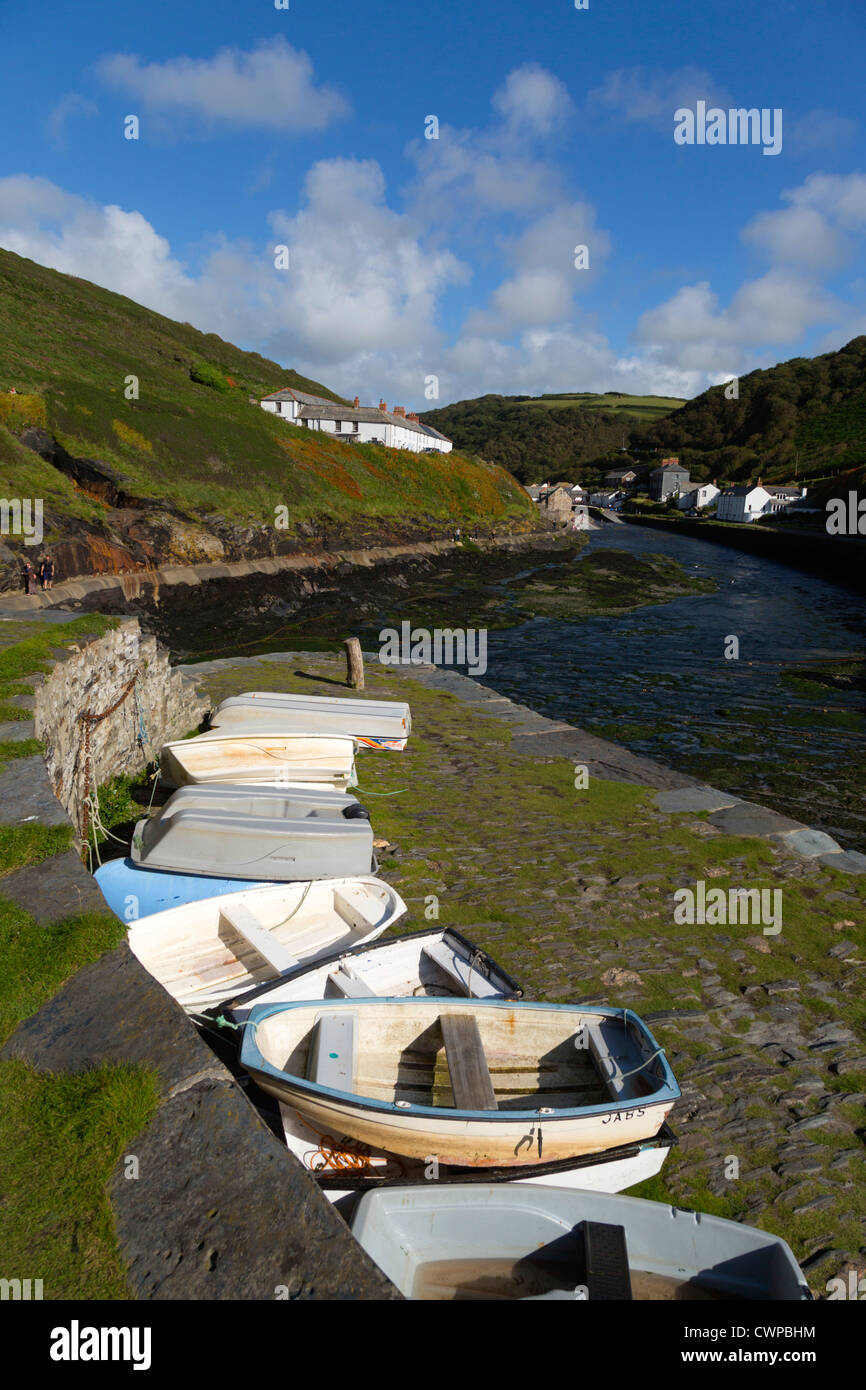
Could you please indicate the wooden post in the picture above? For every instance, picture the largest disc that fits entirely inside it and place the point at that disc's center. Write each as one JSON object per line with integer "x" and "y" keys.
{"x": 354, "y": 664}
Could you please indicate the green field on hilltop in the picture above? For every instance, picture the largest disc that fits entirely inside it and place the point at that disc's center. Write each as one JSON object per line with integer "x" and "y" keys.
{"x": 642, "y": 408}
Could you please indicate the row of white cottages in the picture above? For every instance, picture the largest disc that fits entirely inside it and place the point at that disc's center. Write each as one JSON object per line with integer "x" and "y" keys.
{"x": 365, "y": 423}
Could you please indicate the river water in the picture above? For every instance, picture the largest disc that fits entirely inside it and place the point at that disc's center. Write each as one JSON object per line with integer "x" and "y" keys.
{"x": 657, "y": 679}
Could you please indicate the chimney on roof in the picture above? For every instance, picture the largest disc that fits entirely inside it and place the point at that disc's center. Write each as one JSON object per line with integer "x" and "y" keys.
{"x": 759, "y": 482}
{"x": 356, "y": 402}
{"x": 383, "y": 406}
{"x": 399, "y": 410}
{"x": 412, "y": 416}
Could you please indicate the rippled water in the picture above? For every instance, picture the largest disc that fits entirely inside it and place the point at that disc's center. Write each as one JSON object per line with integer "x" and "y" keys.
{"x": 657, "y": 679}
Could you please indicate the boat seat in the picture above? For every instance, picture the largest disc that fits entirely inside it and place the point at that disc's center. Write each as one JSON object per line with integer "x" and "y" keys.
{"x": 333, "y": 1048}
{"x": 350, "y": 985}
{"x": 471, "y": 1082}
{"x": 263, "y": 942}
{"x": 458, "y": 969}
{"x": 352, "y": 914}
{"x": 614, "y": 1051}
{"x": 606, "y": 1258}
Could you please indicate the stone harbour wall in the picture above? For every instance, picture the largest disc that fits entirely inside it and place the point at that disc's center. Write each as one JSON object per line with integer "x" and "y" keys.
{"x": 107, "y": 708}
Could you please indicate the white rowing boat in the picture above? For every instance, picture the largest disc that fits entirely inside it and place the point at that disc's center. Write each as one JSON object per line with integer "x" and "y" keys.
{"x": 288, "y": 759}
{"x": 438, "y": 962}
{"x": 507, "y": 1242}
{"x": 257, "y": 832}
{"x": 372, "y": 723}
{"x": 213, "y": 949}
{"x": 476, "y": 1083}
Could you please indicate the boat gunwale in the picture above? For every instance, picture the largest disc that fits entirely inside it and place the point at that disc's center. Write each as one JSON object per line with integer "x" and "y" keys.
{"x": 361, "y": 949}
{"x": 251, "y": 1056}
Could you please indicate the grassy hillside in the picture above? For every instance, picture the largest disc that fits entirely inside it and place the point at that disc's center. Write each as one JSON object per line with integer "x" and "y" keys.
{"x": 805, "y": 417}
{"x": 192, "y": 444}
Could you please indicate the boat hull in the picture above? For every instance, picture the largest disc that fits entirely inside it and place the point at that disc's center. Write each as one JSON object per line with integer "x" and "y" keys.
{"x": 502, "y": 1143}
{"x": 373, "y": 723}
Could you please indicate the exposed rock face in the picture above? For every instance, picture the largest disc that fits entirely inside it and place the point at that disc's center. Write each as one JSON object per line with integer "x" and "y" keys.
{"x": 156, "y": 704}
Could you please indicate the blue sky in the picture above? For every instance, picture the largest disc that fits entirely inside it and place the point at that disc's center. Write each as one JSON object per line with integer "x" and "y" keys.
{"x": 411, "y": 258}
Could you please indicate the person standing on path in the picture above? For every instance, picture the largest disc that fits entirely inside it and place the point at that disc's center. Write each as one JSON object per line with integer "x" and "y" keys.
{"x": 46, "y": 572}
{"x": 29, "y": 577}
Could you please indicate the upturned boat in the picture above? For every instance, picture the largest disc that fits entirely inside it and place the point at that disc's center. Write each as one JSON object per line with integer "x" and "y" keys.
{"x": 289, "y": 759}
{"x": 475, "y": 1083}
{"x": 257, "y": 832}
{"x": 372, "y": 723}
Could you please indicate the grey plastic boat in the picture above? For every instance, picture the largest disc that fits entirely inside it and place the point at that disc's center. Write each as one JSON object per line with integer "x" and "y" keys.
{"x": 372, "y": 723}
{"x": 257, "y": 832}
{"x": 516, "y": 1242}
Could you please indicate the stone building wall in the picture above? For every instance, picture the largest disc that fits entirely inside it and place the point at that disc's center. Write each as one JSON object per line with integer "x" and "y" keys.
{"x": 154, "y": 703}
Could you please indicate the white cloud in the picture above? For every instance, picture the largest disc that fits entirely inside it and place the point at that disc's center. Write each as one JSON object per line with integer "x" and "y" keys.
{"x": 273, "y": 87}
{"x": 534, "y": 99}
{"x": 638, "y": 94}
{"x": 691, "y": 331}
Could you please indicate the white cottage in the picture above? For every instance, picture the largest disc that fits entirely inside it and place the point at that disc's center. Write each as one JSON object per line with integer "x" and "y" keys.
{"x": 368, "y": 424}
{"x": 698, "y": 496}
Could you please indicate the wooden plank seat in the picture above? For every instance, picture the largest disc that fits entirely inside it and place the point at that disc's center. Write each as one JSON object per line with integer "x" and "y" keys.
{"x": 333, "y": 1051}
{"x": 471, "y": 1082}
{"x": 263, "y": 942}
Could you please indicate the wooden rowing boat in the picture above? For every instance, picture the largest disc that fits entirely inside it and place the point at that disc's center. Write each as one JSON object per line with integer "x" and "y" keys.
{"x": 210, "y": 950}
{"x": 372, "y": 723}
{"x": 507, "y": 1242}
{"x": 290, "y": 759}
{"x": 476, "y": 1083}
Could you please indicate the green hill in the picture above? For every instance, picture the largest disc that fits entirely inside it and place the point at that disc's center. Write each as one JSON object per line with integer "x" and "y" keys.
{"x": 538, "y": 438}
{"x": 192, "y": 468}
{"x": 803, "y": 418}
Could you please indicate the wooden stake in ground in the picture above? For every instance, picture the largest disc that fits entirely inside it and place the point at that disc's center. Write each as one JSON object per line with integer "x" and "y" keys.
{"x": 354, "y": 664}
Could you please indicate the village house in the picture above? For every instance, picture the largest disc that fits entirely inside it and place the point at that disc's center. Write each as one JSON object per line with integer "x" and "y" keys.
{"x": 747, "y": 501}
{"x": 620, "y": 477}
{"x": 367, "y": 424}
{"x": 698, "y": 495}
{"x": 556, "y": 504}
{"x": 669, "y": 480}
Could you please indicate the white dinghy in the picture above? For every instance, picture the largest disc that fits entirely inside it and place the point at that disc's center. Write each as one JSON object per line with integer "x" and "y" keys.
{"x": 477, "y": 1083}
{"x": 289, "y": 759}
{"x": 372, "y": 723}
{"x": 438, "y": 962}
{"x": 212, "y": 949}
{"x": 344, "y": 1167}
{"x": 507, "y": 1242}
{"x": 257, "y": 832}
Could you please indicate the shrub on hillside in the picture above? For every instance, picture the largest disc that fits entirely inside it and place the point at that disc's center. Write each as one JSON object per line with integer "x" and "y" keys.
{"x": 206, "y": 375}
